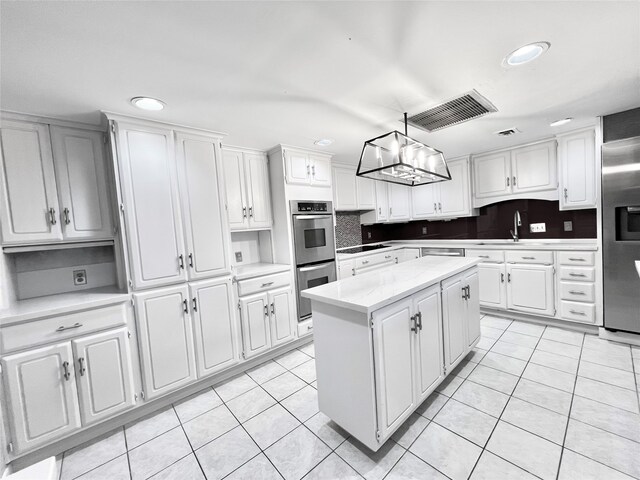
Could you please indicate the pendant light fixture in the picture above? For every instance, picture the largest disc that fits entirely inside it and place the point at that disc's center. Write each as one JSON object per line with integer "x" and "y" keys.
{"x": 398, "y": 158}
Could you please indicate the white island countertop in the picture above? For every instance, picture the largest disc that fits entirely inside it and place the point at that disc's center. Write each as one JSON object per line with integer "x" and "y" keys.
{"x": 370, "y": 291}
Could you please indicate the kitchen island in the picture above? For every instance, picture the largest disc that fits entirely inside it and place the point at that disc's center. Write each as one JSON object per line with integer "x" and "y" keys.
{"x": 385, "y": 340}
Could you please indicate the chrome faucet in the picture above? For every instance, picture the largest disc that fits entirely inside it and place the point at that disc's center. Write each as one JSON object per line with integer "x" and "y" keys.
{"x": 517, "y": 222}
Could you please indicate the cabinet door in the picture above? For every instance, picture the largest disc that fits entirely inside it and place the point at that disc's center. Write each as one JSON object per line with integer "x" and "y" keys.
{"x": 215, "y": 326}
{"x": 344, "y": 189}
{"x": 424, "y": 201}
{"x": 429, "y": 344}
{"x": 492, "y": 174}
{"x": 399, "y": 202}
{"x": 473, "y": 307}
{"x": 237, "y": 209}
{"x": 492, "y": 285}
{"x": 455, "y": 194}
{"x": 454, "y": 320}
{"x": 29, "y": 208}
{"x": 320, "y": 171}
{"x": 256, "y": 338}
{"x": 258, "y": 194}
{"x": 382, "y": 201}
{"x": 534, "y": 168}
{"x": 166, "y": 340}
{"x": 576, "y": 154}
{"x": 394, "y": 363}
{"x": 42, "y": 403}
{"x": 345, "y": 269}
{"x": 104, "y": 374}
{"x": 149, "y": 185}
{"x": 203, "y": 203}
{"x": 297, "y": 168}
{"x": 283, "y": 328}
{"x": 530, "y": 289}
{"x": 81, "y": 173}
{"x": 366, "y": 193}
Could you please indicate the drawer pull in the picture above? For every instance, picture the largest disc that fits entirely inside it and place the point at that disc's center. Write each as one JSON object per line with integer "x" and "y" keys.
{"x": 581, "y": 275}
{"x": 573, "y": 292}
{"x": 528, "y": 258}
{"x": 81, "y": 363}
{"x": 65, "y": 370}
{"x": 577, "y": 259}
{"x": 576, "y": 312}
{"x": 483, "y": 256}
{"x": 309, "y": 327}
{"x": 364, "y": 262}
{"x": 387, "y": 257}
{"x": 265, "y": 285}
{"x": 62, "y": 328}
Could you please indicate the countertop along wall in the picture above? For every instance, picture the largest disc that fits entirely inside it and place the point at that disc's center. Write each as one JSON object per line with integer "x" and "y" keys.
{"x": 493, "y": 222}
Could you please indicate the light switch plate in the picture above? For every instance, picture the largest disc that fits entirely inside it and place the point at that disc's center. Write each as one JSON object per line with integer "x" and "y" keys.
{"x": 568, "y": 226}
{"x": 79, "y": 277}
{"x": 538, "y": 227}
{"x": 238, "y": 256}
{"x": 368, "y": 235}
{"x": 424, "y": 230}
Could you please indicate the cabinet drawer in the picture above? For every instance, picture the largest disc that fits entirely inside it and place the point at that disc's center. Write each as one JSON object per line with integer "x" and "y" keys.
{"x": 578, "y": 274}
{"x": 578, "y": 292}
{"x": 489, "y": 256}
{"x": 581, "y": 312}
{"x": 305, "y": 328}
{"x": 62, "y": 327}
{"x": 261, "y": 284}
{"x": 375, "y": 259}
{"x": 586, "y": 259}
{"x": 529, "y": 256}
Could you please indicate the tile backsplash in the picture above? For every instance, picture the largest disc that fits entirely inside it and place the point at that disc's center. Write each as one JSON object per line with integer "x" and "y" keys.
{"x": 348, "y": 231}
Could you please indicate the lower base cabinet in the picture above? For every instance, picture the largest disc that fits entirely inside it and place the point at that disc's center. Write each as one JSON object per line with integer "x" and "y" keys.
{"x": 460, "y": 316}
{"x": 530, "y": 289}
{"x": 54, "y": 390}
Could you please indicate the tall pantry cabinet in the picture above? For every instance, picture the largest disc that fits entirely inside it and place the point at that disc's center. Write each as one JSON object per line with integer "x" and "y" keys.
{"x": 173, "y": 210}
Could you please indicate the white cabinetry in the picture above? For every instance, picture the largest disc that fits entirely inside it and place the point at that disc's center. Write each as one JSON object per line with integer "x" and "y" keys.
{"x": 530, "y": 288}
{"x": 306, "y": 168}
{"x": 493, "y": 292}
{"x": 460, "y": 316}
{"x": 576, "y": 286}
{"x": 345, "y": 268}
{"x": 351, "y": 192}
{"x": 577, "y": 170}
{"x": 529, "y": 171}
{"x": 247, "y": 187}
{"x": 53, "y": 184}
{"x": 399, "y": 202}
{"x": 381, "y": 213}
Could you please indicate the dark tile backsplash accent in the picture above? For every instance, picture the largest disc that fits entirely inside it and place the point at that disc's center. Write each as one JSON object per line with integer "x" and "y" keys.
{"x": 348, "y": 231}
{"x": 493, "y": 222}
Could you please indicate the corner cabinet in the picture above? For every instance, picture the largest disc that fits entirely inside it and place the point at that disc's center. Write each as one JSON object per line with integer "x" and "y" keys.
{"x": 351, "y": 192}
{"x": 307, "y": 168}
{"x": 53, "y": 184}
{"x": 247, "y": 188}
{"x": 577, "y": 170}
{"x": 393, "y": 203}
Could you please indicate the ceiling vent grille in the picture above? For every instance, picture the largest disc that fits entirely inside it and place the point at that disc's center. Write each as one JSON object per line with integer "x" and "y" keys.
{"x": 507, "y": 132}
{"x": 465, "y": 107}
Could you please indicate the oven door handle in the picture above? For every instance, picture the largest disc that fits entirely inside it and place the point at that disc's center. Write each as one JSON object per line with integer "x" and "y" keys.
{"x": 311, "y": 217}
{"x": 314, "y": 267}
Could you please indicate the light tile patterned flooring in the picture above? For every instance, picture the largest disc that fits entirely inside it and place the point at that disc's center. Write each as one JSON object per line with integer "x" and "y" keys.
{"x": 530, "y": 401}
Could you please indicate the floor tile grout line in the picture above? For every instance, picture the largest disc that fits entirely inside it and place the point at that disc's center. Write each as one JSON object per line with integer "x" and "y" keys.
{"x": 126, "y": 446}
{"x": 193, "y": 451}
{"x": 606, "y": 431}
{"x": 93, "y": 441}
{"x": 599, "y": 462}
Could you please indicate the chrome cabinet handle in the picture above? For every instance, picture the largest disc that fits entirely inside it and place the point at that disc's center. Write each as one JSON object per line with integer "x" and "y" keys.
{"x": 194, "y": 304}
{"x": 581, "y": 275}
{"x": 414, "y": 321}
{"x": 52, "y": 216}
{"x": 185, "y": 306}
{"x": 390, "y": 211}
{"x": 387, "y": 257}
{"x": 468, "y": 292}
{"x": 268, "y": 284}
{"x": 483, "y": 256}
{"x": 308, "y": 172}
{"x": 566, "y": 194}
{"x": 191, "y": 260}
{"x": 181, "y": 261}
{"x": 62, "y": 328}
{"x": 419, "y": 317}
{"x": 81, "y": 363}
{"x": 65, "y": 370}
{"x": 464, "y": 293}
{"x": 577, "y": 259}
{"x": 435, "y": 207}
{"x": 514, "y": 181}
{"x": 364, "y": 262}
{"x": 502, "y": 278}
{"x": 440, "y": 207}
{"x": 507, "y": 181}
{"x": 508, "y": 278}
{"x": 273, "y": 309}
{"x": 576, "y": 312}
{"x": 353, "y": 272}
{"x": 250, "y": 211}
{"x": 65, "y": 212}
{"x": 313, "y": 170}
{"x": 266, "y": 310}
{"x": 379, "y": 210}
{"x": 244, "y": 212}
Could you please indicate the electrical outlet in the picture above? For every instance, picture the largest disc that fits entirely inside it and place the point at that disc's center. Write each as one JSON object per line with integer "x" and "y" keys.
{"x": 79, "y": 277}
{"x": 568, "y": 226}
{"x": 238, "y": 257}
{"x": 538, "y": 227}
{"x": 368, "y": 235}
{"x": 424, "y": 230}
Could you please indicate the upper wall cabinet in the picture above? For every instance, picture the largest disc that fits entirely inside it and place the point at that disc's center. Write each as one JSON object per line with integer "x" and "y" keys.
{"x": 577, "y": 170}
{"x": 247, "y": 187}
{"x": 529, "y": 171}
{"x": 305, "y": 168}
{"x": 53, "y": 184}
{"x": 173, "y": 204}
{"x": 351, "y": 192}
{"x": 393, "y": 203}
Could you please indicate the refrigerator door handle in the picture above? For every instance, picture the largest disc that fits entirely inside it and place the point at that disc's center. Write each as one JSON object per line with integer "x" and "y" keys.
{"x": 638, "y": 267}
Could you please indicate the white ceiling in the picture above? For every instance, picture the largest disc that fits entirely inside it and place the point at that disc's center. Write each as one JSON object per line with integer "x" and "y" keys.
{"x": 293, "y": 72}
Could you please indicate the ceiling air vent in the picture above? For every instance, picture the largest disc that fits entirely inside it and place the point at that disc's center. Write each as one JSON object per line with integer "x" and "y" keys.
{"x": 508, "y": 131}
{"x": 465, "y": 107}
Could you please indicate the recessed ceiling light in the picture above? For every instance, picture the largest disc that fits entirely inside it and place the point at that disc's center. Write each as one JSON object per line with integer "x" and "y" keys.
{"x": 148, "y": 103}
{"x": 557, "y": 123}
{"x": 323, "y": 142}
{"x": 525, "y": 54}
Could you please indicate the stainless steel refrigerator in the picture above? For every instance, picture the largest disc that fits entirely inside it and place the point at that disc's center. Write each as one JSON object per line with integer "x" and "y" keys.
{"x": 621, "y": 234}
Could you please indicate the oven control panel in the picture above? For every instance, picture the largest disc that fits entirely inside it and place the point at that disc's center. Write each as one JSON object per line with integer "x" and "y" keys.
{"x": 313, "y": 207}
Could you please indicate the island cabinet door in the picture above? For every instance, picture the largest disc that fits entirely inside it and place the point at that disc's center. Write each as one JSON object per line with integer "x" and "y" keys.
{"x": 429, "y": 345}
{"x": 454, "y": 320}
{"x": 394, "y": 344}
{"x": 473, "y": 307}
{"x": 256, "y": 337}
